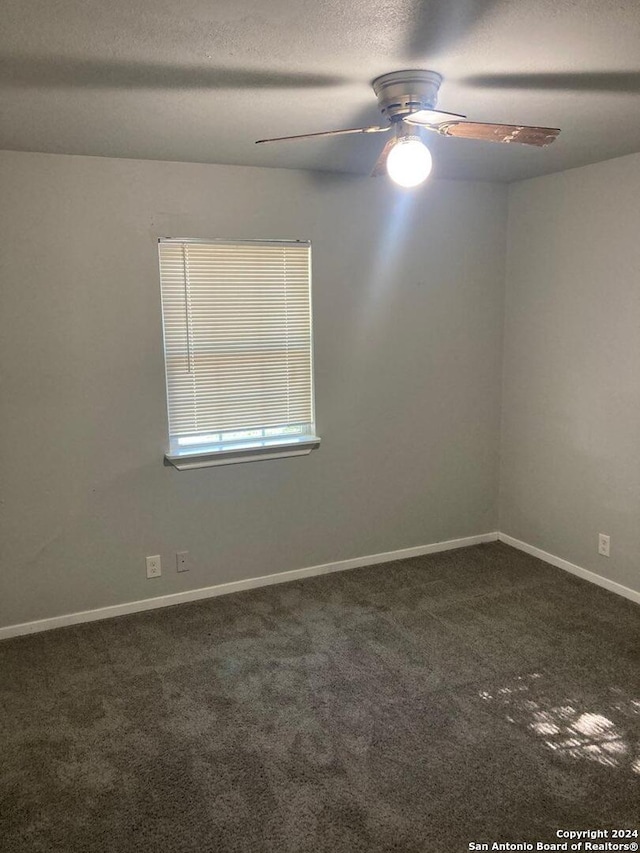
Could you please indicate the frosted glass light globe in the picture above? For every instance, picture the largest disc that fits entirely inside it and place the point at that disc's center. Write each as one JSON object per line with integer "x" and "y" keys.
{"x": 409, "y": 162}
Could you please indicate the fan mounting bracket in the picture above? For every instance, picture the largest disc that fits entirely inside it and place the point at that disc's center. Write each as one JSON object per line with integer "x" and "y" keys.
{"x": 403, "y": 92}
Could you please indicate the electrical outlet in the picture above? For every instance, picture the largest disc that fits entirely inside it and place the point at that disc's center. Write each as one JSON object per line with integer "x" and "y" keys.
{"x": 604, "y": 543}
{"x": 182, "y": 561}
{"x": 154, "y": 567}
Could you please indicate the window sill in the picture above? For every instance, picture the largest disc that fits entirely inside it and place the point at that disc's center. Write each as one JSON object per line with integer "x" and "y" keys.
{"x": 188, "y": 461}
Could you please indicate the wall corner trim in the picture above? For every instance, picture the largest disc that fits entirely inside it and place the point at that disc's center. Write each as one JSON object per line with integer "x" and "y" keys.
{"x": 558, "y": 562}
{"x": 236, "y": 586}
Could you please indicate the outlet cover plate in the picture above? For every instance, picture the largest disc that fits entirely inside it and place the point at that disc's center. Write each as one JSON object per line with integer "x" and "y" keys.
{"x": 154, "y": 566}
{"x": 604, "y": 544}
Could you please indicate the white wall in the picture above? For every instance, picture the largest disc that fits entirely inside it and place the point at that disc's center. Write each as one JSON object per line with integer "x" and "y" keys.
{"x": 408, "y": 302}
{"x": 571, "y": 409}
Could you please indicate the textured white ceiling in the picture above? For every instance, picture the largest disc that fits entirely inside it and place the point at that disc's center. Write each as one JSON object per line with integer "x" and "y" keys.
{"x": 200, "y": 81}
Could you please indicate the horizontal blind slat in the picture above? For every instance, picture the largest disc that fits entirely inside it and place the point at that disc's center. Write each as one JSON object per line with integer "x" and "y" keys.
{"x": 237, "y": 327}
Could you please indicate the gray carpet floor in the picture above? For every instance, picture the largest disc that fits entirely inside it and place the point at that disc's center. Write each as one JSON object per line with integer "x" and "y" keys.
{"x": 477, "y": 695}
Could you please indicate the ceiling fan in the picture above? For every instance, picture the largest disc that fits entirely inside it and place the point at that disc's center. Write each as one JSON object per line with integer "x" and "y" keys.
{"x": 407, "y": 99}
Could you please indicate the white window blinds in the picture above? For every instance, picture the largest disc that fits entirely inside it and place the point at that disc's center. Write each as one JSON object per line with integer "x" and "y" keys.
{"x": 238, "y": 351}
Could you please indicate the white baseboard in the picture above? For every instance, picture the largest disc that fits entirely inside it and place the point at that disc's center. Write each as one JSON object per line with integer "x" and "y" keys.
{"x": 612, "y": 586}
{"x": 310, "y": 571}
{"x": 236, "y": 586}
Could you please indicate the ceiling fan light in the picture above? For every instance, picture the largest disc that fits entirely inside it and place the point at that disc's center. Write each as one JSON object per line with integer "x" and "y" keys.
{"x": 409, "y": 162}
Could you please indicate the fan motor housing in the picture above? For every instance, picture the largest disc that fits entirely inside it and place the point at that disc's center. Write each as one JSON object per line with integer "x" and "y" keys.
{"x": 402, "y": 92}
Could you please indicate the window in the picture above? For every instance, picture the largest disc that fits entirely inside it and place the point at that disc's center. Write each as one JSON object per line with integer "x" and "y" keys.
{"x": 238, "y": 350}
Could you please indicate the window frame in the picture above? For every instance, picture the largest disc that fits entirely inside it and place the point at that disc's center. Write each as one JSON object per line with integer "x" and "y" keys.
{"x": 225, "y": 446}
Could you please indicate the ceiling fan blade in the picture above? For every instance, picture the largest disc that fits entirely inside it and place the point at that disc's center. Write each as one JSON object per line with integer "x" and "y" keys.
{"x": 381, "y": 163}
{"x": 59, "y": 73}
{"x": 620, "y": 82}
{"x": 435, "y": 27}
{"x": 373, "y": 129}
{"x": 538, "y": 136}
{"x": 428, "y": 117}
